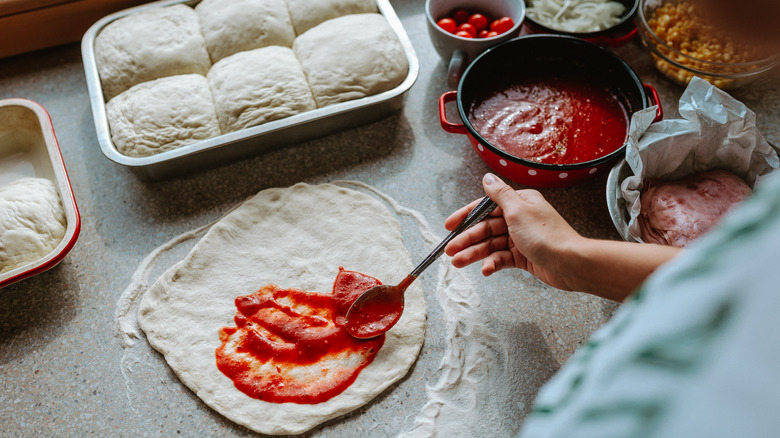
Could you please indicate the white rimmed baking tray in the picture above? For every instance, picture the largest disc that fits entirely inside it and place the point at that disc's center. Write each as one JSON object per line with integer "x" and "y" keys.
{"x": 249, "y": 141}
{"x": 28, "y": 148}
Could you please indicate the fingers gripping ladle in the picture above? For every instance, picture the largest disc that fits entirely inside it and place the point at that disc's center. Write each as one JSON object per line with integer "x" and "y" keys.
{"x": 379, "y": 308}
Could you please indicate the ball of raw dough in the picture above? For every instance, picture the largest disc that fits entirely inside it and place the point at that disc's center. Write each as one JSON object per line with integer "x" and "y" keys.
{"x": 307, "y": 13}
{"x": 162, "y": 115}
{"x": 259, "y": 86}
{"x": 149, "y": 45}
{"x": 32, "y": 221}
{"x": 232, "y": 26}
{"x": 351, "y": 57}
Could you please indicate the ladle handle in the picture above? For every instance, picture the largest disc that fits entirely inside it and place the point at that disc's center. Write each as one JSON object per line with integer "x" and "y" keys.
{"x": 477, "y": 214}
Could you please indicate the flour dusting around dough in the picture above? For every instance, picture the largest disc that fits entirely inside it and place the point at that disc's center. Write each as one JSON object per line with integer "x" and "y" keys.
{"x": 466, "y": 396}
{"x": 471, "y": 393}
{"x": 125, "y": 319}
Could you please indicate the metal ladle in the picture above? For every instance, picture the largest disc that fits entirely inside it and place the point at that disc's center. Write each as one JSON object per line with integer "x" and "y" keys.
{"x": 378, "y": 309}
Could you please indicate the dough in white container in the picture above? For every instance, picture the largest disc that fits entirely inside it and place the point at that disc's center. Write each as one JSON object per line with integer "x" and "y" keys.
{"x": 149, "y": 45}
{"x": 351, "y": 57}
{"x": 232, "y": 26}
{"x": 309, "y": 13}
{"x": 162, "y": 115}
{"x": 32, "y": 221}
{"x": 259, "y": 86}
{"x": 293, "y": 237}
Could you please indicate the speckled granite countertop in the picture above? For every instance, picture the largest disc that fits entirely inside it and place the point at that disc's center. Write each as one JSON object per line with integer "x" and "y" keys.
{"x": 60, "y": 370}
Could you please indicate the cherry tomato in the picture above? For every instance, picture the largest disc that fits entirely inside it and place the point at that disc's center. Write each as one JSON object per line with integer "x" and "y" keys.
{"x": 464, "y": 34}
{"x": 460, "y": 15}
{"x": 447, "y": 24}
{"x": 465, "y": 27}
{"x": 479, "y": 21}
{"x": 483, "y": 33}
{"x": 502, "y": 25}
{"x": 490, "y": 34}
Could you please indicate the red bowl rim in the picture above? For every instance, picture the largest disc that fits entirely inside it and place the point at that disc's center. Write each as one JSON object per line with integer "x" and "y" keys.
{"x": 536, "y": 165}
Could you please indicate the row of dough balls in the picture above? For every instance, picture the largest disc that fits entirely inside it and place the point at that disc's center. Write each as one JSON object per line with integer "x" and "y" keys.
{"x": 177, "y": 40}
{"x": 336, "y": 60}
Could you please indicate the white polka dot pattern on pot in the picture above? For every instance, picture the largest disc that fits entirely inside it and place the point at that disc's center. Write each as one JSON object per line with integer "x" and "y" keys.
{"x": 502, "y": 162}
{"x": 563, "y": 175}
{"x": 592, "y": 171}
{"x": 481, "y": 149}
{"x": 531, "y": 172}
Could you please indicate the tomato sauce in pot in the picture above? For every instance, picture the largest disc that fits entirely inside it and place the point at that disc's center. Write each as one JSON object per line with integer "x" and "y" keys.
{"x": 552, "y": 119}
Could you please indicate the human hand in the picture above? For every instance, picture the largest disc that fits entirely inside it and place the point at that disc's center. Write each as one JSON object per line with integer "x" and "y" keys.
{"x": 524, "y": 232}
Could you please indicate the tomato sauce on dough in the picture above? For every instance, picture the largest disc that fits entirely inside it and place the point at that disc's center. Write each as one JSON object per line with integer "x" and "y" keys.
{"x": 290, "y": 345}
{"x": 553, "y": 120}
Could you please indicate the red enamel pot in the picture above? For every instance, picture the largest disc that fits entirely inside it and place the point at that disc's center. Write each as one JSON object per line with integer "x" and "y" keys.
{"x": 547, "y": 55}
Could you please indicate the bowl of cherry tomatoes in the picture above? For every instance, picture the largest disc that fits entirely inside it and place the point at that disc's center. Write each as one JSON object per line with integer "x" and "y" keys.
{"x": 462, "y": 29}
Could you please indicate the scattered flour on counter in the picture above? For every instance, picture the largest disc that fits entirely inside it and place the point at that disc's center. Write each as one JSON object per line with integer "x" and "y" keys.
{"x": 468, "y": 394}
{"x": 125, "y": 320}
{"x": 472, "y": 391}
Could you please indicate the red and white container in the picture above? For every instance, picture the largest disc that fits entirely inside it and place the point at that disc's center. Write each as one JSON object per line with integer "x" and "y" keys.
{"x": 28, "y": 148}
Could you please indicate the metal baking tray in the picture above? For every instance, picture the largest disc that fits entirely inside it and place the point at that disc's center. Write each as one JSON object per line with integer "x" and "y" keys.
{"x": 269, "y": 136}
{"x": 28, "y": 148}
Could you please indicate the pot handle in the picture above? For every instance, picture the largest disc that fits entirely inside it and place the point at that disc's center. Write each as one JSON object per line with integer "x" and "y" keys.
{"x": 454, "y": 128}
{"x": 455, "y": 70}
{"x": 654, "y": 100}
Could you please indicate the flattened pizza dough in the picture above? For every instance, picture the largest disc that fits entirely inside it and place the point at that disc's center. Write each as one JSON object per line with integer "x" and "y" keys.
{"x": 307, "y": 13}
{"x": 292, "y": 237}
{"x": 149, "y": 45}
{"x": 259, "y": 86}
{"x": 367, "y": 59}
{"x": 232, "y": 26}
{"x": 143, "y": 120}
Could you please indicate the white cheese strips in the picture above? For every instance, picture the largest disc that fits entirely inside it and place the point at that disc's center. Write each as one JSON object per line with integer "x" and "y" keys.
{"x": 576, "y": 15}
{"x": 32, "y": 221}
{"x": 161, "y": 115}
{"x": 232, "y": 26}
{"x": 149, "y": 45}
{"x": 259, "y": 86}
{"x": 367, "y": 58}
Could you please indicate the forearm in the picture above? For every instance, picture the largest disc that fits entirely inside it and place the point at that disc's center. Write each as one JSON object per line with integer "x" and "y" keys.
{"x": 614, "y": 269}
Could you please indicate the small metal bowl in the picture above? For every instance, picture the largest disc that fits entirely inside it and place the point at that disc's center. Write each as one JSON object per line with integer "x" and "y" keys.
{"x": 618, "y": 211}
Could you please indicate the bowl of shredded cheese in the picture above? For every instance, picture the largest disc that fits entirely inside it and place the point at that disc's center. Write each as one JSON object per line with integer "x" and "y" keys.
{"x": 683, "y": 45}
{"x": 604, "y": 22}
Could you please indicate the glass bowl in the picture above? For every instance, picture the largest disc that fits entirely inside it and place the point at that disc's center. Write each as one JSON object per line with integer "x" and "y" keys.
{"x": 682, "y": 49}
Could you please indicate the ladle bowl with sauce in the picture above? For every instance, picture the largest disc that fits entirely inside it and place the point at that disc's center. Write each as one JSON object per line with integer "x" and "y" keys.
{"x": 548, "y": 110}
